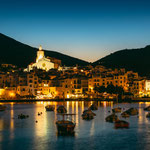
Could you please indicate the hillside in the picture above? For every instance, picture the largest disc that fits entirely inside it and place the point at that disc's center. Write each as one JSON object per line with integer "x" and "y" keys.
{"x": 21, "y": 55}
{"x": 131, "y": 59}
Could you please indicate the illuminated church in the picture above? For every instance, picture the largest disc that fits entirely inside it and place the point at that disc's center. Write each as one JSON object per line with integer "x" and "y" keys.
{"x": 41, "y": 62}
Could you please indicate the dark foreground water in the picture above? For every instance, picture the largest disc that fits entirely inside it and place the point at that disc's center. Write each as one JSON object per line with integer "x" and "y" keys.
{"x": 26, "y": 134}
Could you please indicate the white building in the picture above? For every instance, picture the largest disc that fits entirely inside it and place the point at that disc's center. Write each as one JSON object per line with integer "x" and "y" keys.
{"x": 41, "y": 62}
{"x": 147, "y": 85}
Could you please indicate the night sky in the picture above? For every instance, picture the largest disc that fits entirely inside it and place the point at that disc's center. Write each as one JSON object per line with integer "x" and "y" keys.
{"x": 88, "y": 29}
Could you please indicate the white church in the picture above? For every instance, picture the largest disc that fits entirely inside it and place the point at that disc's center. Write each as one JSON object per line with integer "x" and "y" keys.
{"x": 41, "y": 62}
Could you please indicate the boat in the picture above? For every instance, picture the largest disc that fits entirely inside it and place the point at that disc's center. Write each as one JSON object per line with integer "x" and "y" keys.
{"x": 148, "y": 115}
{"x": 49, "y": 108}
{"x": 87, "y": 117}
{"x": 89, "y": 111}
{"x": 88, "y": 114}
{"x": 125, "y": 115}
{"x": 22, "y": 116}
{"x": 94, "y": 107}
{"x": 116, "y": 110}
{"x": 65, "y": 126}
{"x": 61, "y": 109}
{"x": 2, "y": 108}
{"x": 132, "y": 111}
{"x": 121, "y": 124}
{"x": 111, "y": 118}
{"x": 147, "y": 108}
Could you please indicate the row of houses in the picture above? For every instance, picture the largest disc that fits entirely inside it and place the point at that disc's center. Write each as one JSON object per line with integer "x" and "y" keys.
{"x": 70, "y": 85}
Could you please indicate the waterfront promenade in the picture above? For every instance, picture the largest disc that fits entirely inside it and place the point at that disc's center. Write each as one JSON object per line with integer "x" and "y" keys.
{"x": 79, "y": 99}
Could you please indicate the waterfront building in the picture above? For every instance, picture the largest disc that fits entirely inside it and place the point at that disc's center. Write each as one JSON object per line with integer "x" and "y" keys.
{"x": 138, "y": 88}
{"x": 147, "y": 88}
{"x": 116, "y": 80}
{"x": 147, "y": 85}
{"x": 75, "y": 82}
{"x": 22, "y": 90}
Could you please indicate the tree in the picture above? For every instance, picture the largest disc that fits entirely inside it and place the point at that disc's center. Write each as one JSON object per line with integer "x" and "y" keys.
{"x": 100, "y": 89}
{"x": 111, "y": 89}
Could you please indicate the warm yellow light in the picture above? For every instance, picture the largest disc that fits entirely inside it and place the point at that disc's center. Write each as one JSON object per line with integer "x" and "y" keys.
{"x": 68, "y": 96}
{"x": 12, "y": 94}
{"x": 2, "y": 91}
{"x": 91, "y": 88}
{"x": 46, "y": 85}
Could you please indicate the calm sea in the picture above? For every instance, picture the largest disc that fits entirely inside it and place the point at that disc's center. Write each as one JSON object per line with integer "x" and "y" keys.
{"x": 26, "y": 134}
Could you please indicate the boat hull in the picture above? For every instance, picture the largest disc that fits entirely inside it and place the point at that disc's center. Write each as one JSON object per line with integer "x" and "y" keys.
{"x": 111, "y": 118}
{"x": 65, "y": 128}
{"x": 147, "y": 108}
{"x": 49, "y": 109}
{"x": 121, "y": 124}
{"x": 116, "y": 110}
{"x": 87, "y": 117}
{"x": 61, "y": 109}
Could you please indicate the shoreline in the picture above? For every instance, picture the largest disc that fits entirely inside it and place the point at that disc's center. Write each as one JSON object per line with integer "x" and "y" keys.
{"x": 62, "y": 100}
{"x": 53, "y": 100}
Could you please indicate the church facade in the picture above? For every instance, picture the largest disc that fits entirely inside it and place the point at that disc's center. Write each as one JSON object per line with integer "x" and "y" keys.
{"x": 41, "y": 62}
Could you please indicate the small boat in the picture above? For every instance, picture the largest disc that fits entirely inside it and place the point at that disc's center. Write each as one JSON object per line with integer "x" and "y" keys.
{"x": 88, "y": 114}
{"x": 89, "y": 111}
{"x": 116, "y": 110}
{"x": 2, "y": 108}
{"x": 61, "y": 109}
{"x": 22, "y": 116}
{"x": 111, "y": 118}
{"x": 125, "y": 115}
{"x": 121, "y": 124}
{"x": 94, "y": 107}
{"x": 49, "y": 108}
{"x": 148, "y": 115}
{"x": 147, "y": 108}
{"x": 65, "y": 126}
{"x": 132, "y": 111}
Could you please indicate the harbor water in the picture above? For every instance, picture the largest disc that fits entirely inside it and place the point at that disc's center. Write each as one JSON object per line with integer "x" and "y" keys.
{"x": 39, "y": 132}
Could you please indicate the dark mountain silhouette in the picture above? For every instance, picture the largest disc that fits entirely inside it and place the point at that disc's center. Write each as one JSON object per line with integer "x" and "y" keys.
{"x": 19, "y": 54}
{"x": 132, "y": 59}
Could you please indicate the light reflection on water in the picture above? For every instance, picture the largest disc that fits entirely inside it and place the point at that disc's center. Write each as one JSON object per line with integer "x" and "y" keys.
{"x": 96, "y": 134}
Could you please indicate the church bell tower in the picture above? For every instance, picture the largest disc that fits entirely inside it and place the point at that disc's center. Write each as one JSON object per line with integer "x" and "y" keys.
{"x": 40, "y": 54}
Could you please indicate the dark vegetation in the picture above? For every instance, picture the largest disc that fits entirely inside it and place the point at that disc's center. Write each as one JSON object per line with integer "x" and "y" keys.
{"x": 137, "y": 60}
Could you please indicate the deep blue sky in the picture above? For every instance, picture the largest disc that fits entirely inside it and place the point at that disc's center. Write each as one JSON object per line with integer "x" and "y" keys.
{"x": 87, "y": 29}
